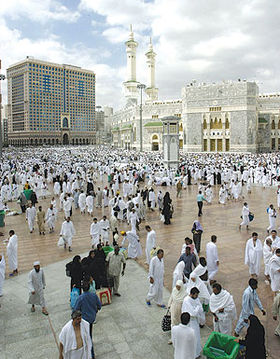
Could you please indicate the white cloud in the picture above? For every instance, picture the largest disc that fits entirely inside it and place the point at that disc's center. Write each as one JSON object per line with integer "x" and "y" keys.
{"x": 203, "y": 40}
{"x": 16, "y": 47}
{"x": 38, "y": 10}
{"x": 211, "y": 47}
{"x": 206, "y": 40}
{"x": 122, "y": 12}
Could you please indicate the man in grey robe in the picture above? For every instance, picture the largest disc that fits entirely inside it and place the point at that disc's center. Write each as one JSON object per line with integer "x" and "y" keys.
{"x": 37, "y": 284}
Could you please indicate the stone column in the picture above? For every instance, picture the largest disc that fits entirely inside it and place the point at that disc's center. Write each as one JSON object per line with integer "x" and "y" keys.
{"x": 224, "y": 131}
{"x": 208, "y": 131}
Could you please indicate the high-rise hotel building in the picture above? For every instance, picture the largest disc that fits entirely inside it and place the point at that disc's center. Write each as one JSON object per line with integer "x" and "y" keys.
{"x": 50, "y": 103}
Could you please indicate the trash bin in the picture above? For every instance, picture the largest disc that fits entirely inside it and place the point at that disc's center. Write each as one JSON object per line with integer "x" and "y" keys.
{"x": 107, "y": 249}
{"x": 2, "y": 218}
{"x": 220, "y": 346}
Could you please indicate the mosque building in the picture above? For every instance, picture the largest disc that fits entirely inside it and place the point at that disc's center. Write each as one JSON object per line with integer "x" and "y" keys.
{"x": 230, "y": 116}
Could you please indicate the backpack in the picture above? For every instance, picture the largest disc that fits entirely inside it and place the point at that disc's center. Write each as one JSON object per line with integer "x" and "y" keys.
{"x": 74, "y": 295}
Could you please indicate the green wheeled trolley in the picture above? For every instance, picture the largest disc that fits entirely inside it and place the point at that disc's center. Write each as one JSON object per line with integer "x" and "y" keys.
{"x": 2, "y": 218}
{"x": 221, "y": 346}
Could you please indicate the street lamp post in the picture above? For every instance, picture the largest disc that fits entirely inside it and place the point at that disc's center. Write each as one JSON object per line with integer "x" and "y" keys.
{"x": 141, "y": 87}
{"x": 2, "y": 77}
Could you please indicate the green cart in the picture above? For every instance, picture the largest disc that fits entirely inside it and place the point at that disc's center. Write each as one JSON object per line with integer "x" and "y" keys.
{"x": 2, "y": 218}
{"x": 28, "y": 193}
{"x": 107, "y": 249}
{"x": 221, "y": 346}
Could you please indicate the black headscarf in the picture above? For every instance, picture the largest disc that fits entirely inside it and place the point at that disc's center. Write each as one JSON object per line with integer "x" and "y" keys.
{"x": 76, "y": 271}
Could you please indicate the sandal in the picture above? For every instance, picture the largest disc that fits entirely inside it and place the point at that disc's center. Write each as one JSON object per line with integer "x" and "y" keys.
{"x": 45, "y": 312}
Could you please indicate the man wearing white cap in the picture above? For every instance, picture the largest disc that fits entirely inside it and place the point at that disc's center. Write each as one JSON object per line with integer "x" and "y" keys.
{"x": 36, "y": 284}
{"x": 67, "y": 232}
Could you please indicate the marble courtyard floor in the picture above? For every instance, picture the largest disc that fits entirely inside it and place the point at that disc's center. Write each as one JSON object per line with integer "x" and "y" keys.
{"x": 217, "y": 219}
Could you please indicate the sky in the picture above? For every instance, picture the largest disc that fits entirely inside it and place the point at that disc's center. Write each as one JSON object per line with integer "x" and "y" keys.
{"x": 202, "y": 40}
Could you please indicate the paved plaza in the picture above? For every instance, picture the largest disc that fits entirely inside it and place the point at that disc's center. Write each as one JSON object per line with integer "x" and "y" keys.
{"x": 126, "y": 329}
{"x": 217, "y": 219}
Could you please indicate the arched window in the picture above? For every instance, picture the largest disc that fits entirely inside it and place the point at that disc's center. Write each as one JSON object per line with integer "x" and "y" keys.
{"x": 155, "y": 137}
{"x": 227, "y": 123}
{"x": 211, "y": 123}
{"x": 65, "y": 122}
{"x": 205, "y": 124}
{"x": 220, "y": 125}
{"x": 273, "y": 125}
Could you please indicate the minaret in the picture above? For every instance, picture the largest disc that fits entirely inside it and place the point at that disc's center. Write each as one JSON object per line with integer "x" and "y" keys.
{"x": 131, "y": 91}
{"x": 151, "y": 90}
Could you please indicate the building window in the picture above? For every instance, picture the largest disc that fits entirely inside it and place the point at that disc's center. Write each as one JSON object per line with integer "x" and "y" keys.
{"x": 273, "y": 143}
{"x": 227, "y": 124}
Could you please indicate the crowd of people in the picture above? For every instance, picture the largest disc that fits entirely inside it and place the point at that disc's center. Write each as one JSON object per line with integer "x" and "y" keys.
{"x": 129, "y": 186}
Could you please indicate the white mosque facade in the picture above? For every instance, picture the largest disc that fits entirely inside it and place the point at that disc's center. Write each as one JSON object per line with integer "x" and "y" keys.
{"x": 230, "y": 116}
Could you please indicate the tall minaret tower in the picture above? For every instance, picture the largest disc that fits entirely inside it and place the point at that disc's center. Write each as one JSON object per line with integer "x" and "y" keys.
{"x": 131, "y": 91}
{"x": 151, "y": 90}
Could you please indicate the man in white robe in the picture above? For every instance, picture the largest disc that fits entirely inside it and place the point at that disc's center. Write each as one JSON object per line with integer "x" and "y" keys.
{"x": 134, "y": 220}
{"x": 192, "y": 305}
{"x": 51, "y": 218}
{"x": 89, "y": 203}
{"x": 152, "y": 199}
{"x": 2, "y": 272}
{"x": 150, "y": 243}
{"x": 245, "y": 216}
{"x": 134, "y": 249}
{"x": 37, "y": 284}
{"x": 74, "y": 338}
{"x": 12, "y": 249}
{"x": 183, "y": 339}
{"x": 212, "y": 257}
{"x": 267, "y": 254}
{"x": 276, "y": 313}
{"x": 67, "y": 205}
{"x": 178, "y": 273}
{"x": 67, "y": 232}
{"x": 30, "y": 217}
{"x": 253, "y": 255}
{"x": 156, "y": 276}
{"x": 56, "y": 189}
{"x": 95, "y": 232}
{"x": 272, "y": 218}
{"x": 223, "y": 309}
{"x": 274, "y": 267}
{"x": 104, "y": 230}
{"x": 82, "y": 202}
{"x": 275, "y": 240}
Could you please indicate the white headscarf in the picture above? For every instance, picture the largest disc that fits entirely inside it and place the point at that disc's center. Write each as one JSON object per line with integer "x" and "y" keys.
{"x": 179, "y": 295}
